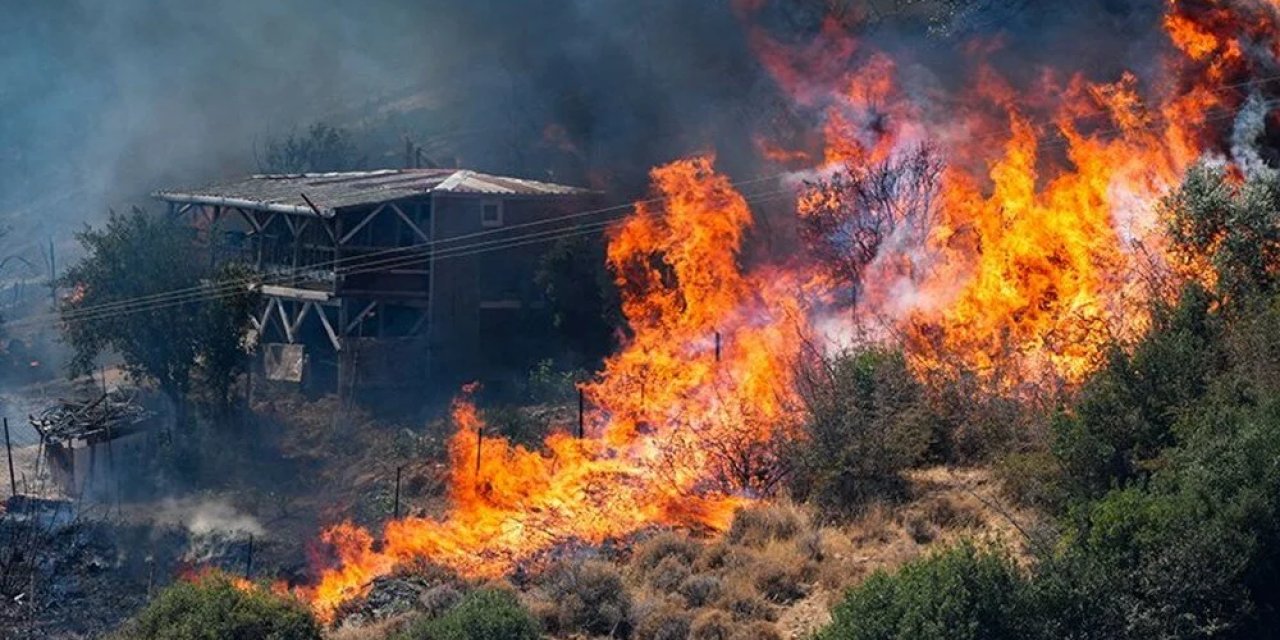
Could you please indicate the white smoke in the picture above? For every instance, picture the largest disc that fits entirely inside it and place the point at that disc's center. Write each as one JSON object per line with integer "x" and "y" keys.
{"x": 1249, "y": 127}
{"x": 210, "y": 517}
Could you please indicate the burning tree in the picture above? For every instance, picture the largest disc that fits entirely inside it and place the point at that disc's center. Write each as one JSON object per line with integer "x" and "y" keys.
{"x": 865, "y": 215}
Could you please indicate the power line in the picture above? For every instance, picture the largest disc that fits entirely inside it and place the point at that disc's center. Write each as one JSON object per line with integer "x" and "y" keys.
{"x": 227, "y": 290}
{"x": 363, "y": 259}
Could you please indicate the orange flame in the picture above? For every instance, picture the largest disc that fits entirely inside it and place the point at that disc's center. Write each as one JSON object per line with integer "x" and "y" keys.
{"x": 1046, "y": 229}
{"x": 664, "y": 408}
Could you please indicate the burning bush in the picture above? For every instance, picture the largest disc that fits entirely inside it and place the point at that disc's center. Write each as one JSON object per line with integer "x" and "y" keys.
{"x": 215, "y": 606}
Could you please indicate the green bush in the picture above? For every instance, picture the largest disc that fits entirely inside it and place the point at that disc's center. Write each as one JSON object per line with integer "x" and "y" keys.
{"x": 213, "y": 608}
{"x": 867, "y": 420}
{"x": 1125, "y": 416}
{"x": 484, "y": 614}
{"x": 961, "y": 593}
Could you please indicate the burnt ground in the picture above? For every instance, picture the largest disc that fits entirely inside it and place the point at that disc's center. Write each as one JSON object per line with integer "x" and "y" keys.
{"x": 76, "y": 564}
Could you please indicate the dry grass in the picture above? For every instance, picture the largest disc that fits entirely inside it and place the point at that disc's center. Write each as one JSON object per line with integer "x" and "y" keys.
{"x": 661, "y": 619}
{"x": 587, "y": 597}
{"x": 712, "y": 625}
{"x": 380, "y": 630}
{"x": 667, "y": 544}
{"x": 773, "y": 575}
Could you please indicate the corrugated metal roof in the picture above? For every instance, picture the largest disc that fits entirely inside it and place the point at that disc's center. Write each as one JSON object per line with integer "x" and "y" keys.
{"x": 333, "y": 191}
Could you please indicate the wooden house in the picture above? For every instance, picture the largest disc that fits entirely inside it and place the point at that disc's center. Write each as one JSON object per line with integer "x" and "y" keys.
{"x": 379, "y": 278}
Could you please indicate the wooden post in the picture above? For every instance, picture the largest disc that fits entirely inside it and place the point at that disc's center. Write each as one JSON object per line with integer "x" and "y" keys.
{"x": 8, "y": 447}
{"x": 479, "y": 446}
{"x": 717, "y": 346}
{"x": 397, "y": 500}
{"x": 581, "y": 418}
{"x": 248, "y": 561}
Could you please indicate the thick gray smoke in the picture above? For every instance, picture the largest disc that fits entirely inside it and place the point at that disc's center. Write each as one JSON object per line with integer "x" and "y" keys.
{"x": 101, "y": 102}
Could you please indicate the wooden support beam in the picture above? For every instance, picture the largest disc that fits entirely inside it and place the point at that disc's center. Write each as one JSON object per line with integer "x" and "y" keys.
{"x": 266, "y": 314}
{"x": 284, "y": 322}
{"x": 328, "y": 328}
{"x": 422, "y": 235}
{"x": 359, "y": 317}
{"x": 423, "y": 315}
{"x": 252, "y": 220}
{"x": 367, "y": 219}
{"x": 302, "y": 315}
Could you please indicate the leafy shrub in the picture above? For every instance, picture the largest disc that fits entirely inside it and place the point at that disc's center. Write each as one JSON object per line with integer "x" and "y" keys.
{"x": 867, "y": 421}
{"x": 960, "y": 593}
{"x": 214, "y": 607}
{"x": 781, "y": 575}
{"x": 1032, "y": 478}
{"x": 483, "y": 614}
{"x": 1125, "y": 416}
{"x": 589, "y": 597}
{"x": 744, "y": 604}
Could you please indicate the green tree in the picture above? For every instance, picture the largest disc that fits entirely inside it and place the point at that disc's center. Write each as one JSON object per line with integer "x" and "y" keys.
{"x": 140, "y": 291}
{"x": 1235, "y": 227}
{"x": 213, "y": 608}
{"x": 581, "y": 297}
{"x": 322, "y": 147}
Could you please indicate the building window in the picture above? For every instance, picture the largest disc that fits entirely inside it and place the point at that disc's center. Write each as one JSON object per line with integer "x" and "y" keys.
{"x": 491, "y": 213}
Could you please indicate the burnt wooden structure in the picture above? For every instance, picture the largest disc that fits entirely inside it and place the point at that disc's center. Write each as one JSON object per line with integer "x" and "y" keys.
{"x": 380, "y": 278}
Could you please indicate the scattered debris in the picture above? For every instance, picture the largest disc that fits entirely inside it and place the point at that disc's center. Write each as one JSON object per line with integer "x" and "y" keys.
{"x": 110, "y": 415}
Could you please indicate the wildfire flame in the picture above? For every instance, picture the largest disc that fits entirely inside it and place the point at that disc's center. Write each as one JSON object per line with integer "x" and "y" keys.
{"x": 706, "y": 367}
{"x": 1041, "y": 229}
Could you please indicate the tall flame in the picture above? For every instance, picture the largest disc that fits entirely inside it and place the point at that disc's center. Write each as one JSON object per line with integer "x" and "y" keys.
{"x": 704, "y": 371}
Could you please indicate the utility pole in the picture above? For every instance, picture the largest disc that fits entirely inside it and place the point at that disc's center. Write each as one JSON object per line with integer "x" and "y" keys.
{"x": 8, "y": 447}
{"x": 53, "y": 276}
